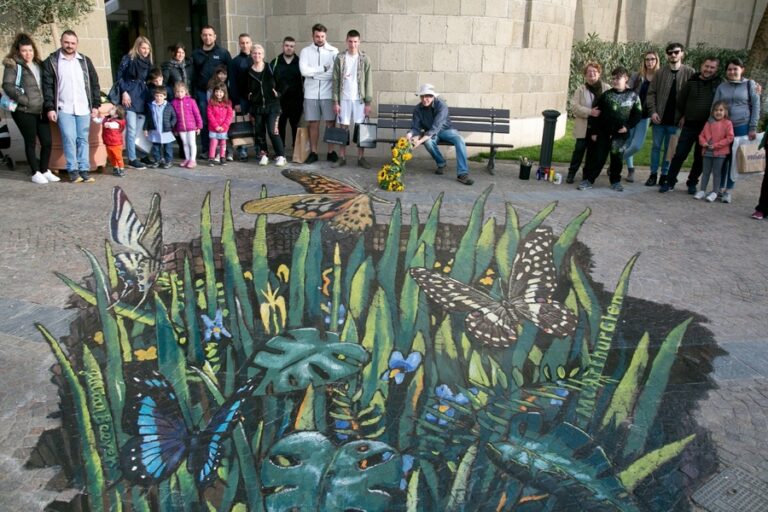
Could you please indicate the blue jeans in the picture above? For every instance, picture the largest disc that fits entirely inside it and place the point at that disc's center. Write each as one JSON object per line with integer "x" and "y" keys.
{"x": 636, "y": 140}
{"x": 451, "y": 137}
{"x": 131, "y": 126}
{"x": 162, "y": 152}
{"x": 74, "y": 139}
{"x": 661, "y": 134}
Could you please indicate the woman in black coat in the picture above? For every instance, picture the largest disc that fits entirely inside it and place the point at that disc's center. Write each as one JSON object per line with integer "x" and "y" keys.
{"x": 132, "y": 79}
{"x": 265, "y": 107}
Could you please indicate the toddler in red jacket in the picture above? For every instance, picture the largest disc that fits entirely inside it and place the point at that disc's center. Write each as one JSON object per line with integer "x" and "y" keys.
{"x": 112, "y": 129}
{"x": 715, "y": 139}
{"x": 220, "y": 116}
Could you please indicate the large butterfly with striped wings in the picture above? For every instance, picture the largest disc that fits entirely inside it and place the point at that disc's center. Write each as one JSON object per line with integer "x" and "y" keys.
{"x": 345, "y": 206}
{"x": 140, "y": 265}
{"x": 161, "y": 439}
{"x": 528, "y": 296}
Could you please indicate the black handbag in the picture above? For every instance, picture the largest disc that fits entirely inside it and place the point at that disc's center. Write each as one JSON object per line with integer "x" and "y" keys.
{"x": 241, "y": 132}
{"x": 114, "y": 94}
{"x": 336, "y": 135}
{"x": 365, "y": 134}
{"x": 5, "y": 136}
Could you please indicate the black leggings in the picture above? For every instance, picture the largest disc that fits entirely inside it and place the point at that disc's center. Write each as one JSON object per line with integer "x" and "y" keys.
{"x": 265, "y": 124}
{"x": 292, "y": 110}
{"x": 32, "y": 128}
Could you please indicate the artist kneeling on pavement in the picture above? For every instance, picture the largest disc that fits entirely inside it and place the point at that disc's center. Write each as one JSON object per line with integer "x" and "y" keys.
{"x": 431, "y": 124}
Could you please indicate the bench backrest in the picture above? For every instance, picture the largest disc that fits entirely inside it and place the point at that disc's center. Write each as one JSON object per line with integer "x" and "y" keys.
{"x": 484, "y": 120}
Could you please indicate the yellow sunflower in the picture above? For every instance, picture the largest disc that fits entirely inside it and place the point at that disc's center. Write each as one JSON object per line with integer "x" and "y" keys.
{"x": 407, "y": 156}
{"x": 383, "y": 173}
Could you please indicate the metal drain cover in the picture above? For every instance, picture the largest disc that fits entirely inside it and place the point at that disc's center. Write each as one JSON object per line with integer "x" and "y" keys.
{"x": 733, "y": 490}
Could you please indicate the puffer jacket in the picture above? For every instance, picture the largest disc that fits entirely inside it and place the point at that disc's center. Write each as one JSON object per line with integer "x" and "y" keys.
{"x": 582, "y": 102}
{"x": 316, "y": 65}
{"x": 31, "y": 100}
{"x": 112, "y": 131}
{"x": 187, "y": 114}
{"x": 220, "y": 115}
{"x": 175, "y": 71}
{"x": 168, "y": 120}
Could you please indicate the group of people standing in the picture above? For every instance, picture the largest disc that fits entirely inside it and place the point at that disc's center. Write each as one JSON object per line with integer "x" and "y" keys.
{"x": 706, "y": 112}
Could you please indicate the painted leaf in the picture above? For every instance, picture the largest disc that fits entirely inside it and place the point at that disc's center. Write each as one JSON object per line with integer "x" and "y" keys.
{"x": 301, "y": 357}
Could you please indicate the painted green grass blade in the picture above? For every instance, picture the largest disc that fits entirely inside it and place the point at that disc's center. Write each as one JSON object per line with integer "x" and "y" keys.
{"x": 233, "y": 271}
{"x": 537, "y": 219}
{"x": 98, "y": 405}
{"x": 652, "y": 461}
{"x": 623, "y": 399}
{"x": 429, "y": 233}
{"x": 410, "y": 302}
{"x": 386, "y": 269}
{"x": 195, "y": 352}
{"x": 591, "y": 379}
{"x": 413, "y": 234}
{"x": 259, "y": 253}
{"x": 359, "y": 289}
{"x": 465, "y": 253}
{"x": 313, "y": 270}
{"x": 114, "y": 353}
{"x": 94, "y": 478}
{"x": 336, "y": 287}
{"x": 297, "y": 277}
{"x": 457, "y": 500}
{"x": 171, "y": 359}
{"x": 650, "y": 398}
{"x": 413, "y": 401}
{"x": 446, "y": 353}
{"x": 484, "y": 249}
{"x": 588, "y": 300}
{"x": 506, "y": 248}
{"x": 355, "y": 259}
{"x": 568, "y": 236}
{"x": 120, "y": 308}
{"x": 378, "y": 341}
{"x": 206, "y": 249}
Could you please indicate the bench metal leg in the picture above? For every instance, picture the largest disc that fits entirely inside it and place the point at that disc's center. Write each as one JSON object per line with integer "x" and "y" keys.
{"x": 491, "y": 165}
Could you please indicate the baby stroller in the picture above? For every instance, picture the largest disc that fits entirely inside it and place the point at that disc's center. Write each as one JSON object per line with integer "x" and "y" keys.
{"x": 5, "y": 143}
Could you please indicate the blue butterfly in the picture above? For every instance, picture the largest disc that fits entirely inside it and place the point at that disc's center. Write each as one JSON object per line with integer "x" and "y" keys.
{"x": 161, "y": 439}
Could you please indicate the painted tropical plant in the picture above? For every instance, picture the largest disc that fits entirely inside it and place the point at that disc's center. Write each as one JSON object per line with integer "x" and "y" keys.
{"x": 367, "y": 380}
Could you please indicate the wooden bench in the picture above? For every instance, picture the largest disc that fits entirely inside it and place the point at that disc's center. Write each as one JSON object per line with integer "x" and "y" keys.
{"x": 483, "y": 120}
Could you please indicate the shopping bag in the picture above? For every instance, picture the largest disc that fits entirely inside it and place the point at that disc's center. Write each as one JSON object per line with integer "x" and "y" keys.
{"x": 301, "y": 145}
{"x": 5, "y": 136}
{"x": 336, "y": 135}
{"x": 365, "y": 134}
{"x": 241, "y": 131}
{"x": 749, "y": 158}
{"x": 141, "y": 140}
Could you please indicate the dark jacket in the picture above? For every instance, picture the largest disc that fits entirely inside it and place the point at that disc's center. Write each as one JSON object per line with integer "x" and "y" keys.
{"x": 695, "y": 100}
{"x": 617, "y": 109}
{"x": 132, "y": 78}
{"x": 50, "y": 77}
{"x": 289, "y": 77}
{"x": 175, "y": 71}
{"x": 169, "y": 119}
{"x": 432, "y": 119}
{"x": 238, "y": 80}
{"x": 31, "y": 100}
{"x": 261, "y": 87}
{"x": 204, "y": 64}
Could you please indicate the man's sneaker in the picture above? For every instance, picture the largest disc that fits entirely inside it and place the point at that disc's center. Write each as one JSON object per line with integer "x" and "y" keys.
{"x": 664, "y": 188}
{"x": 758, "y": 215}
{"x": 712, "y": 197}
{"x": 153, "y": 165}
{"x": 165, "y": 165}
{"x": 78, "y": 180}
{"x": 465, "y": 179}
{"x": 362, "y": 162}
{"x": 147, "y": 160}
{"x": 280, "y": 161}
{"x": 570, "y": 177}
{"x": 312, "y": 158}
{"x": 264, "y": 160}
{"x": 630, "y": 176}
{"x": 585, "y": 185}
{"x": 212, "y": 162}
{"x": 726, "y": 197}
{"x": 440, "y": 170}
{"x": 89, "y": 180}
{"x": 137, "y": 164}
{"x": 332, "y": 157}
{"x": 651, "y": 180}
{"x": 341, "y": 162}
{"x": 699, "y": 195}
{"x": 242, "y": 154}
{"x": 617, "y": 187}
{"x": 39, "y": 178}
{"x": 692, "y": 190}
{"x": 52, "y": 178}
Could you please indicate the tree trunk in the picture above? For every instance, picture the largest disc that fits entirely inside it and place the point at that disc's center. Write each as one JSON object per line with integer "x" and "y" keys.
{"x": 758, "y": 54}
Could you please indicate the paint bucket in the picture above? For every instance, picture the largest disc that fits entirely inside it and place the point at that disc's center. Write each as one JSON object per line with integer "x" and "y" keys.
{"x": 525, "y": 172}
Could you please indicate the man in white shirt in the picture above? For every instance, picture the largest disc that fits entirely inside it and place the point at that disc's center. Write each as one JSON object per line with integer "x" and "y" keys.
{"x": 316, "y": 65}
{"x": 352, "y": 91}
{"x": 71, "y": 97}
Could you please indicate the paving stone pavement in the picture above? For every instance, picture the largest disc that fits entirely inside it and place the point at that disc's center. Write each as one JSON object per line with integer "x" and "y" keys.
{"x": 705, "y": 258}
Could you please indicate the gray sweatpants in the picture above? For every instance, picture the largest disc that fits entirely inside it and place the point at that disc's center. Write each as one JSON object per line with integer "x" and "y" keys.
{"x": 711, "y": 165}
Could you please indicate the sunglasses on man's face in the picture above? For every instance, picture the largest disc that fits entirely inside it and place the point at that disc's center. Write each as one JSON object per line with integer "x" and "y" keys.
{"x": 673, "y": 52}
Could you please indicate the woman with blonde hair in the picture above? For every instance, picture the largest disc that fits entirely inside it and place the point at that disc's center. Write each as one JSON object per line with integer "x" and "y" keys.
{"x": 21, "y": 83}
{"x": 132, "y": 81}
{"x": 639, "y": 82}
{"x": 582, "y": 109}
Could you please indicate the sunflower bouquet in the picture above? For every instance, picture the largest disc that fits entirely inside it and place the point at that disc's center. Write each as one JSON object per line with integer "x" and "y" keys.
{"x": 391, "y": 173}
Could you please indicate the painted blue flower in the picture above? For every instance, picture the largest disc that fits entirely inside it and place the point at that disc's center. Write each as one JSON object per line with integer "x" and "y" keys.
{"x": 445, "y": 398}
{"x": 342, "y": 425}
{"x": 561, "y": 392}
{"x": 399, "y": 366}
{"x": 342, "y": 314}
{"x": 408, "y": 461}
{"x": 215, "y": 328}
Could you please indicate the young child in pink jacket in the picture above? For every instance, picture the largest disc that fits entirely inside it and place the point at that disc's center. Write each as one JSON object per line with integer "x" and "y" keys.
{"x": 188, "y": 123}
{"x": 716, "y": 139}
{"x": 220, "y": 116}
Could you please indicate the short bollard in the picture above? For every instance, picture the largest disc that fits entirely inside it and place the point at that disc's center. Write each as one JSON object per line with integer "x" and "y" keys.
{"x": 548, "y": 138}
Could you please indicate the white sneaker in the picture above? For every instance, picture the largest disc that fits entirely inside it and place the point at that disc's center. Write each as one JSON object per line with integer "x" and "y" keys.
{"x": 264, "y": 160}
{"x": 280, "y": 161}
{"x": 711, "y": 197}
{"x": 52, "y": 178}
{"x": 39, "y": 178}
{"x": 726, "y": 197}
{"x": 699, "y": 195}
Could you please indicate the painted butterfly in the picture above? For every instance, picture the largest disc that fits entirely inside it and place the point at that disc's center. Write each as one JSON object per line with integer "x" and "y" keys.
{"x": 532, "y": 283}
{"x": 162, "y": 439}
{"x": 141, "y": 264}
{"x": 346, "y": 206}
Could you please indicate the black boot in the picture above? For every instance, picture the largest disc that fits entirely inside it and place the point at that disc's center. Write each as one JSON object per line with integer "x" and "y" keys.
{"x": 570, "y": 177}
{"x": 663, "y": 184}
{"x": 651, "y": 180}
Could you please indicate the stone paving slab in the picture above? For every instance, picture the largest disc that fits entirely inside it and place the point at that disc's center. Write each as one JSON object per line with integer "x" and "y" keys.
{"x": 705, "y": 258}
